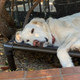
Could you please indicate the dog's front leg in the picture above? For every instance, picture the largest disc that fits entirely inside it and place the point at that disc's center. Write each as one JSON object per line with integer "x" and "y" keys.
{"x": 62, "y": 52}
{"x": 64, "y": 58}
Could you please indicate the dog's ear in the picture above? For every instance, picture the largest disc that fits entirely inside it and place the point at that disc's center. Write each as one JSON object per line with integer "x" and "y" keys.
{"x": 18, "y": 37}
{"x": 37, "y": 21}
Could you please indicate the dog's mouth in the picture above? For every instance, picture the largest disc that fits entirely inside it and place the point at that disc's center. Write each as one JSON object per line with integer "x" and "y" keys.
{"x": 38, "y": 43}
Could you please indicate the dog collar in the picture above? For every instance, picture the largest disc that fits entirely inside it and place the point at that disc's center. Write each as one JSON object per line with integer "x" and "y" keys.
{"x": 53, "y": 39}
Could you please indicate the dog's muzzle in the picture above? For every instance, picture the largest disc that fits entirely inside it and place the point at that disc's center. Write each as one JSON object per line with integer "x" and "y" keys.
{"x": 38, "y": 43}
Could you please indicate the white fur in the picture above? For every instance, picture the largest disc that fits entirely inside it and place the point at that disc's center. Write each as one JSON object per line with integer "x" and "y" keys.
{"x": 66, "y": 31}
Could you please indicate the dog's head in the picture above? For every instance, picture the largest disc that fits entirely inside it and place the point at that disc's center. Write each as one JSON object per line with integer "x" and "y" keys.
{"x": 34, "y": 33}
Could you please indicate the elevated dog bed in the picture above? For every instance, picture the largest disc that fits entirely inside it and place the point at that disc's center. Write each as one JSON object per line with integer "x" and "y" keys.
{"x": 63, "y": 8}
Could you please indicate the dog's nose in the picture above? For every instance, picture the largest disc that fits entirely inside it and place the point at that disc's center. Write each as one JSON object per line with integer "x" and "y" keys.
{"x": 36, "y": 43}
{"x": 46, "y": 39}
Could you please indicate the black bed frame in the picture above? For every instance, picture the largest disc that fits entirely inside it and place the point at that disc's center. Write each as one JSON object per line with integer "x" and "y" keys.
{"x": 63, "y": 7}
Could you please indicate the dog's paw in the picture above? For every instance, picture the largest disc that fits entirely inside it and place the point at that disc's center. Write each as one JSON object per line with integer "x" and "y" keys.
{"x": 69, "y": 65}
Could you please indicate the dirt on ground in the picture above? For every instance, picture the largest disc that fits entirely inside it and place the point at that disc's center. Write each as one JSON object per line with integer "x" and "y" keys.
{"x": 30, "y": 61}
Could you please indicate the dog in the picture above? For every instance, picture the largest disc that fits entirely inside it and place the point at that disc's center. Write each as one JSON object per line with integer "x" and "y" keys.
{"x": 62, "y": 32}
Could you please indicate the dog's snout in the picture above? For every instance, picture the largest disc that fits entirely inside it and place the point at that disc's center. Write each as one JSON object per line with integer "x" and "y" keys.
{"x": 46, "y": 39}
{"x": 36, "y": 43}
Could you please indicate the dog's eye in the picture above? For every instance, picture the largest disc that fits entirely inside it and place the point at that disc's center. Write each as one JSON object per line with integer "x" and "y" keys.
{"x": 27, "y": 40}
{"x": 32, "y": 30}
